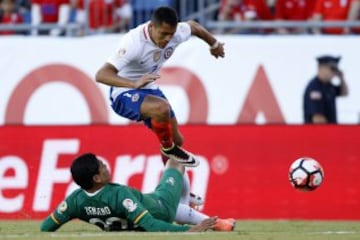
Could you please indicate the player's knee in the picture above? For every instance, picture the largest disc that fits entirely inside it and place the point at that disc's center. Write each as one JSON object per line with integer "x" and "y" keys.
{"x": 162, "y": 109}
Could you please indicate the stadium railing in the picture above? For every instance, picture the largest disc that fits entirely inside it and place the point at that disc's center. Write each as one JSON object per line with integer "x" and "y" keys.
{"x": 280, "y": 24}
{"x": 71, "y": 28}
{"x": 204, "y": 11}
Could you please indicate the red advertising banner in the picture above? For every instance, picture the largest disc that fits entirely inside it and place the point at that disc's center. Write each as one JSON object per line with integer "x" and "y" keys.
{"x": 243, "y": 171}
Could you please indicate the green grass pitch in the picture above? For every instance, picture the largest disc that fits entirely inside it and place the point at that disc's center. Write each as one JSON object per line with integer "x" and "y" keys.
{"x": 245, "y": 230}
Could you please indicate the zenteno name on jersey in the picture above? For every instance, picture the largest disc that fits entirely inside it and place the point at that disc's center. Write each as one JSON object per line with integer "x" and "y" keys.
{"x": 137, "y": 54}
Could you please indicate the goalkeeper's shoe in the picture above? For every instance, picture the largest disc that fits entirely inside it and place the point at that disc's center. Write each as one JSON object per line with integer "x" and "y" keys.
{"x": 225, "y": 225}
{"x": 180, "y": 155}
{"x": 195, "y": 201}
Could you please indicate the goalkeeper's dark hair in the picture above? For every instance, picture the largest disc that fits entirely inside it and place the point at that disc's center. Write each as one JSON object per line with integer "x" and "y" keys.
{"x": 83, "y": 168}
{"x": 164, "y": 14}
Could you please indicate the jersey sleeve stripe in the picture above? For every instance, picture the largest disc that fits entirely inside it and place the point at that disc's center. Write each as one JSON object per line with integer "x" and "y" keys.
{"x": 54, "y": 219}
{"x": 141, "y": 215}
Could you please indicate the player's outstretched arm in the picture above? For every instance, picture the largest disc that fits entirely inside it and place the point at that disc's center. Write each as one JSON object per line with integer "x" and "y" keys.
{"x": 57, "y": 218}
{"x": 50, "y": 224}
{"x": 216, "y": 47}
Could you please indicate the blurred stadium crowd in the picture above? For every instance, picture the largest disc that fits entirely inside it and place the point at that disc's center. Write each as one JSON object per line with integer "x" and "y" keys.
{"x": 55, "y": 17}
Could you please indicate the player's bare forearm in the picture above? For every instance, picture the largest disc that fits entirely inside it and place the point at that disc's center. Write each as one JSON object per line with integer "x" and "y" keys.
{"x": 200, "y": 32}
{"x": 107, "y": 74}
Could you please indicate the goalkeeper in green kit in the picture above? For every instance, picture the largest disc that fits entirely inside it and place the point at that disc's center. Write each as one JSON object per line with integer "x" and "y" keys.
{"x": 115, "y": 207}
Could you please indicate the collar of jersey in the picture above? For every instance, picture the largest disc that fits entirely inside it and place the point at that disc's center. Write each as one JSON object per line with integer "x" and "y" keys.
{"x": 94, "y": 193}
{"x": 147, "y": 34}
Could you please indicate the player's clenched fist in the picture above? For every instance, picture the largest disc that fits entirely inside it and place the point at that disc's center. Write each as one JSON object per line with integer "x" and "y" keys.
{"x": 218, "y": 50}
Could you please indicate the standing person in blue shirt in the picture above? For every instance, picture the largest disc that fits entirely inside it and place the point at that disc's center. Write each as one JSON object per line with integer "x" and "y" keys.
{"x": 320, "y": 93}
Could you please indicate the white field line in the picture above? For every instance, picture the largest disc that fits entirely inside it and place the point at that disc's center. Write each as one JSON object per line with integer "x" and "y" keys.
{"x": 334, "y": 233}
{"x": 119, "y": 234}
{"x": 141, "y": 234}
{"x": 100, "y": 234}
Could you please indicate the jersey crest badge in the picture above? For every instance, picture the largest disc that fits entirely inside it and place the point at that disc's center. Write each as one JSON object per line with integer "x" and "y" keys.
{"x": 135, "y": 97}
{"x": 168, "y": 52}
{"x": 121, "y": 52}
{"x": 156, "y": 56}
{"x": 170, "y": 181}
{"x": 129, "y": 205}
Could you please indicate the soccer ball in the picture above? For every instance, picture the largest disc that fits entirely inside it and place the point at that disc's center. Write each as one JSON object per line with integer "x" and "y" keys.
{"x": 306, "y": 174}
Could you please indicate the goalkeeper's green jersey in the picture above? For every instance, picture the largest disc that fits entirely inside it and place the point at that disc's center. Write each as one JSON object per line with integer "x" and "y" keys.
{"x": 117, "y": 207}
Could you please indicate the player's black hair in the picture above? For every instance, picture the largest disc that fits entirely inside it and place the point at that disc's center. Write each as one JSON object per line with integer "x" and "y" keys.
{"x": 83, "y": 168}
{"x": 164, "y": 14}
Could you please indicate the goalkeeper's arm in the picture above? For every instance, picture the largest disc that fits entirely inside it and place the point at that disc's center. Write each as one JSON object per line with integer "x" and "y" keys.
{"x": 50, "y": 224}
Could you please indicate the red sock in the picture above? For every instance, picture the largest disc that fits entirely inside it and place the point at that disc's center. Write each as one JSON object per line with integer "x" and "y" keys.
{"x": 163, "y": 132}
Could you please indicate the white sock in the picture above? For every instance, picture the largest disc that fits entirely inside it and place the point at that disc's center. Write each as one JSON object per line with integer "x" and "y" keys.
{"x": 187, "y": 215}
{"x": 185, "y": 198}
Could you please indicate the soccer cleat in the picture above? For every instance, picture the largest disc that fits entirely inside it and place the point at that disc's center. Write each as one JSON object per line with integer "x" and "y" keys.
{"x": 180, "y": 155}
{"x": 195, "y": 201}
{"x": 225, "y": 225}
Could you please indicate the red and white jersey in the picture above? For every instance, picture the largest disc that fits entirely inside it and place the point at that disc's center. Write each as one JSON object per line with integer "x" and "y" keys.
{"x": 50, "y": 9}
{"x": 137, "y": 54}
{"x": 333, "y": 10}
